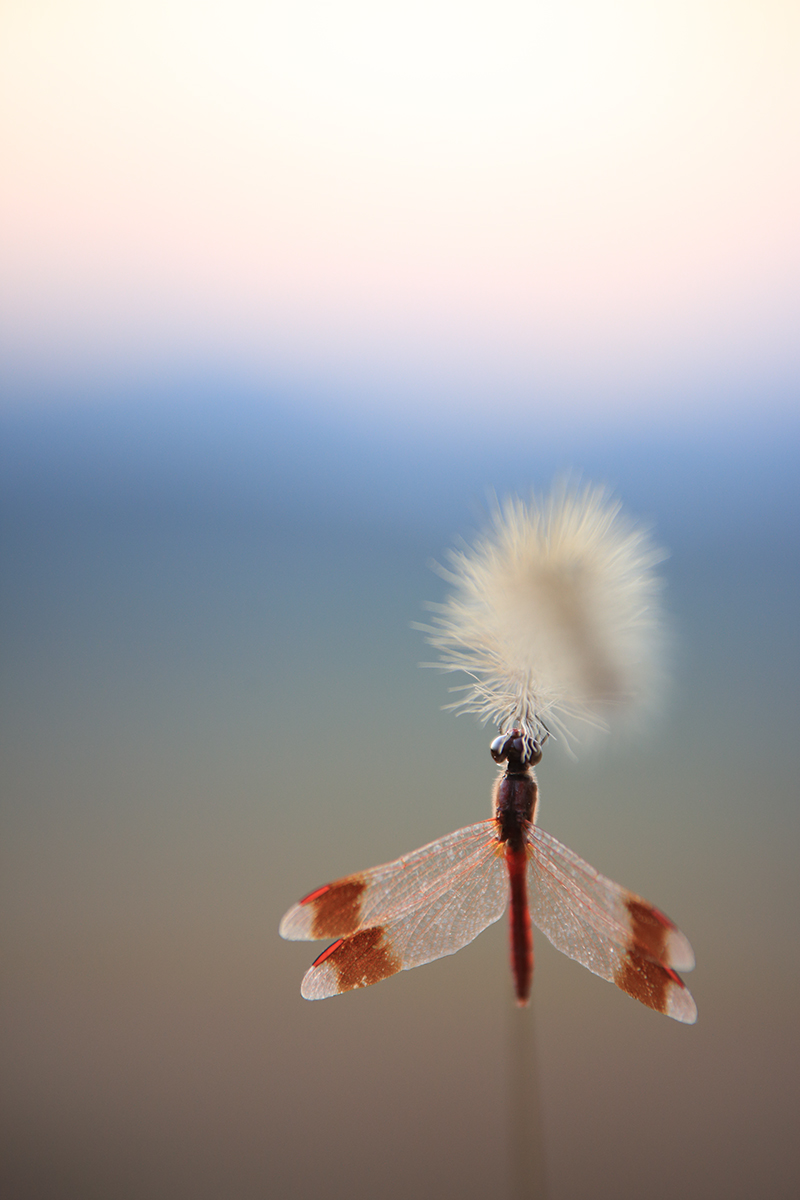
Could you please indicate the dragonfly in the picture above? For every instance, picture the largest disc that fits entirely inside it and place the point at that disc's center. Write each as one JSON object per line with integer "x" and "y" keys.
{"x": 433, "y": 901}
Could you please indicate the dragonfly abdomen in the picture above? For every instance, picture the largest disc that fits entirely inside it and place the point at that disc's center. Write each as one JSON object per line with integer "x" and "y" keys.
{"x": 520, "y": 923}
{"x": 516, "y": 797}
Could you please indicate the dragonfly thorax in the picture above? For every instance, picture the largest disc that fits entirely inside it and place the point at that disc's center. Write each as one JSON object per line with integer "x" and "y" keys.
{"x": 516, "y": 793}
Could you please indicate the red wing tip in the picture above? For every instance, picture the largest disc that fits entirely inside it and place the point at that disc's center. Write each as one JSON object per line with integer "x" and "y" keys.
{"x": 662, "y": 918}
{"x": 320, "y": 891}
{"x": 285, "y": 929}
{"x": 682, "y": 1006}
{"x": 655, "y": 936}
{"x": 681, "y": 955}
{"x": 680, "y": 1001}
{"x": 657, "y": 986}
{"x": 327, "y": 953}
{"x": 351, "y": 962}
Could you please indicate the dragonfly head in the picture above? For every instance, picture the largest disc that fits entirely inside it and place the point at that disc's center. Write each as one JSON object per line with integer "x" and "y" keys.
{"x": 519, "y": 751}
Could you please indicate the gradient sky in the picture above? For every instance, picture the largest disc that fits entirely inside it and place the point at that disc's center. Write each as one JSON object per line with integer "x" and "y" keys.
{"x": 285, "y": 289}
{"x": 418, "y": 204}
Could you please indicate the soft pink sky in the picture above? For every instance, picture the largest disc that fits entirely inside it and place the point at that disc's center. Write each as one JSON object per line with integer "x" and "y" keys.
{"x": 443, "y": 201}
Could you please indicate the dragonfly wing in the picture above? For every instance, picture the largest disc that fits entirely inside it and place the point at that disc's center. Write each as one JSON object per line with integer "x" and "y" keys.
{"x": 613, "y": 932}
{"x": 388, "y": 892}
{"x": 422, "y": 907}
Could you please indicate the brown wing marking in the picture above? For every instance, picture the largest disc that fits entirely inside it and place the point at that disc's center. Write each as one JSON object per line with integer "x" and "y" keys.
{"x": 617, "y": 935}
{"x": 642, "y": 973}
{"x": 421, "y": 907}
{"x": 649, "y": 928}
{"x": 352, "y": 962}
{"x": 647, "y": 981}
{"x": 336, "y": 908}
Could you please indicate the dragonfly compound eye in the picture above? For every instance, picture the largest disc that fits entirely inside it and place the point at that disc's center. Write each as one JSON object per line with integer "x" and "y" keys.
{"x": 498, "y": 748}
{"x": 534, "y": 755}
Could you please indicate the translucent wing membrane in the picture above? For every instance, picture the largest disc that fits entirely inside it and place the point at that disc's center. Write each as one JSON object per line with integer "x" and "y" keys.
{"x": 433, "y": 901}
{"x": 421, "y": 907}
{"x": 614, "y": 933}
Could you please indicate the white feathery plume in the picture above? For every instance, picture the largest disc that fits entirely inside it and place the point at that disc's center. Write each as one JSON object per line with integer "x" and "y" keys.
{"x": 553, "y": 614}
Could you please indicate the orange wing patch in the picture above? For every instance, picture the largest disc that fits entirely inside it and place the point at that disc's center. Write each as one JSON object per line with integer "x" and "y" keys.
{"x": 647, "y": 981}
{"x": 354, "y": 962}
{"x": 649, "y": 928}
{"x": 336, "y": 909}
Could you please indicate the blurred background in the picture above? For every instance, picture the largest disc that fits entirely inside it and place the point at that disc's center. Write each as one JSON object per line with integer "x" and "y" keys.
{"x": 288, "y": 291}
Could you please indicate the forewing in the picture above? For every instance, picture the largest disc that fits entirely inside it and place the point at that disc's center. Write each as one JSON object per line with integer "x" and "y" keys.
{"x": 613, "y": 932}
{"x": 421, "y": 907}
{"x": 391, "y": 891}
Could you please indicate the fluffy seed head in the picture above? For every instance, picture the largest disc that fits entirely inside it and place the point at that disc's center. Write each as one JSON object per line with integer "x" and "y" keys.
{"x": 553, "y": 614}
